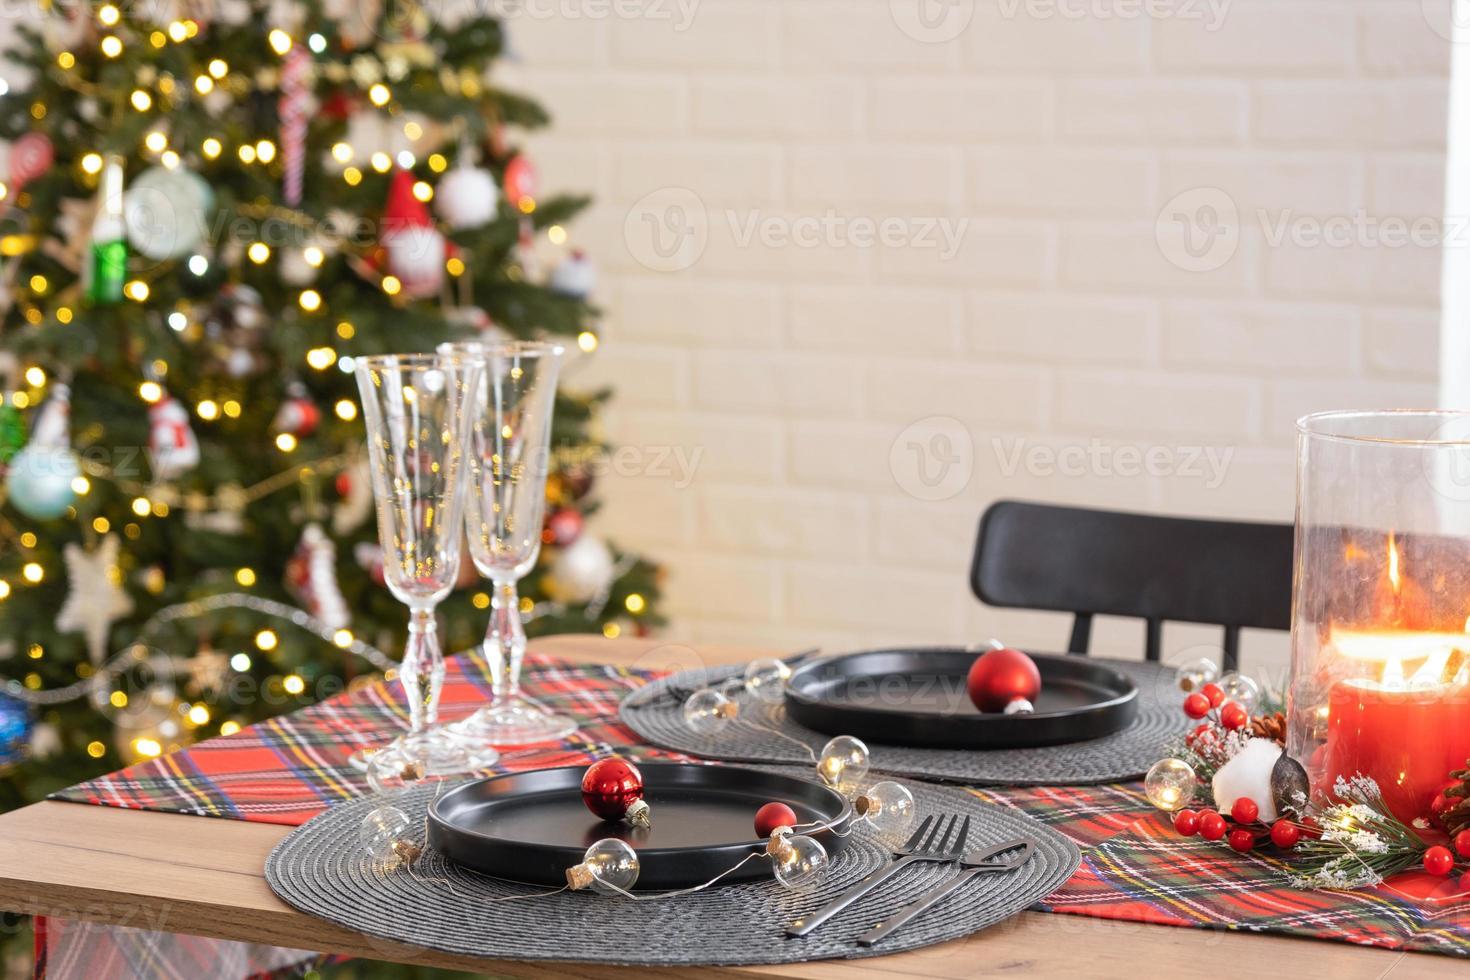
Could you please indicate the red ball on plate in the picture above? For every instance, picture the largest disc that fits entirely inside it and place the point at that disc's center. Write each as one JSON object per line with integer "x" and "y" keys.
{"x": 610, "y": 787}
{"x": 1438, "y": 860}
{"x": 771, "y": 816}
{"x": 1000, "y": 676}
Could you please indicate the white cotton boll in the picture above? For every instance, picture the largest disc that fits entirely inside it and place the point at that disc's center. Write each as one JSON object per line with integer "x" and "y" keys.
{"x": 1248, "y": 774}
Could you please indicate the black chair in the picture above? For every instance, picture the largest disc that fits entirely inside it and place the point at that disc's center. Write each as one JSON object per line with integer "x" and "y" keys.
{"x": 1097, "y": 562}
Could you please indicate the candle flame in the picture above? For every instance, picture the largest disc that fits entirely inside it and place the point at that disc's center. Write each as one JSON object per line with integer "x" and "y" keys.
{"x": 1395, "y": 580}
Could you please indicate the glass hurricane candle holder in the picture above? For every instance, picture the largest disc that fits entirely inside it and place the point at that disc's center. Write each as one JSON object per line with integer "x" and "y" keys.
{"x": 1380, "y": 675}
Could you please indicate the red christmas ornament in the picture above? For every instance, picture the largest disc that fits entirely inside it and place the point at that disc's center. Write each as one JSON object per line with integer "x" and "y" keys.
{"x": 30, "y": 157}
{"x": 613, "y": 790}
{"x": 1213, "y": 694}
{"x": 1001, "y": 676}
{"x": 565, "y": 526}
{"x": 1462, "y": 843}
{"x": 1245, "y": 810}
{"x": 1196, "y": 706}
{"x": 1186, "y": 822}
{"x": 1242, "y": 840}
{"x": 1211, "y": 825}
{"x": 1233, "y": 716}
{"x": 1285, "y": 835}
{"x": 771, "y": 816}
{"x": 520, "y": 182}
{"x": 1438, "y": 860}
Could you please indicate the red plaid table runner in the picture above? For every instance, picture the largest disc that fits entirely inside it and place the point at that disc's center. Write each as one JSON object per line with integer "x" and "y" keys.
{"x": 1134, "y": 866}
{"x": 289, "y": 769}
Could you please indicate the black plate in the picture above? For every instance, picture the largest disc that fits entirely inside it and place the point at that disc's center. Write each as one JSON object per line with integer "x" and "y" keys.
{"x": 532, "y": 826}
{"x": 918, "y": 697}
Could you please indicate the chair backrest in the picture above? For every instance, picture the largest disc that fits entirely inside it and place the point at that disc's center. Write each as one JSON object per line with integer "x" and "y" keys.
{"x": 1232, "y": 574}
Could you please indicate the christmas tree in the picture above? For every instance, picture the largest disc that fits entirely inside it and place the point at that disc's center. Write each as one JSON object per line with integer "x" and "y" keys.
{"x": 211, "y": 209}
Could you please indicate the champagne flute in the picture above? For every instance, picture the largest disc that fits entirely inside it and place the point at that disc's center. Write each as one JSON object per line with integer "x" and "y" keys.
{"x": 510, "y": 439}
{"x": 417, "y": 408}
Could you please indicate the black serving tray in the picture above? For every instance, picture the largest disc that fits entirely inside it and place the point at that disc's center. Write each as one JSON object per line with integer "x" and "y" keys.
{"x": 532, "y": 826}
{"x": 918, "y": 697}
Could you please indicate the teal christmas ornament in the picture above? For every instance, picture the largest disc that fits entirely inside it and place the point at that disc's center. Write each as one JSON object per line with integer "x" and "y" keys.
{"x": 16, "y": 724}
{"x": 40, "y": 481}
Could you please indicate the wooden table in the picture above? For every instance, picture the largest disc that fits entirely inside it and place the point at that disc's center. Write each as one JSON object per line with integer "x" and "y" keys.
{"x": 202, "y": 876}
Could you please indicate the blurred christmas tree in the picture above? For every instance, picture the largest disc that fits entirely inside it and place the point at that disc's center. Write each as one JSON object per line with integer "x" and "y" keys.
{"x": 212, "y": 207}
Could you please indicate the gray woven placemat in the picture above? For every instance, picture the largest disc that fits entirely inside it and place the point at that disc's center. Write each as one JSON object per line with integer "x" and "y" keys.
{"x": 322, "y": 870}
{"x": 749, "y": 737}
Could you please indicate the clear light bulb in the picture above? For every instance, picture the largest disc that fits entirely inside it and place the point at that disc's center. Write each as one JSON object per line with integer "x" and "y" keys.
{"x": 843, "y": 763}
{"x": 887, "y": 807}
{"x": 796, "y": 858}
{"x": 765, "y": 680}
{"x": 380, "y": 830}
{"x": 1170, "y": 785}
{"x": 390, "y": 773}
{"x": 608, "y": 866}
{"x": 1196, "y": 674}
{"x": 707, "y": 711}
{"x": 1242, "y": 690}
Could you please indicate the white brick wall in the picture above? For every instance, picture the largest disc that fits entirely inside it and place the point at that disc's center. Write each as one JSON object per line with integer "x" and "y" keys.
{"x": 1052, "y": 133}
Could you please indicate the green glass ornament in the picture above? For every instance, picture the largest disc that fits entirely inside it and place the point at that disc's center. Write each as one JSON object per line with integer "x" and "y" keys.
{"x": 107, "y": 256}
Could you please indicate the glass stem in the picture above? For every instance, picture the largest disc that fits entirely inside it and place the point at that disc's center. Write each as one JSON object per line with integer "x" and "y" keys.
{"x": 422, "y": 670}
{"x": 505, "y": 641}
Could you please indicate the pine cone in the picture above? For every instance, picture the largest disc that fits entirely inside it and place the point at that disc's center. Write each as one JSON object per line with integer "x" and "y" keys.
{"x": 1270, "y": 726}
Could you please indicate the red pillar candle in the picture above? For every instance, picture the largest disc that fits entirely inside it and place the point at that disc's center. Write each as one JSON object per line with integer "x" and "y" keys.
{"x": 1406, "y": 732}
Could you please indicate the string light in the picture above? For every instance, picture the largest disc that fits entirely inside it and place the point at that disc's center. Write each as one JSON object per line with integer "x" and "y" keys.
{"x": 229, "y": 728}
{"x": 33, "y": 573}
{"x": 382, "y": 162}
{"x": 203, "y": 84}
{"x": 141, "y": 100}
{"x": 96, "y": 749}
{"x": 587, "y": 341}
{"x": 198, "y": 265}
{"x": 635, "y": 603}
{"x": 218, "y": 68}
{"x": 150, "y": 391}
{"x": 294, "y": 684}
{"x": 36, "y": 651}
{"x": 266, "y": 640}
{"x": 232, "y": 408}
{"x": 170, "y": 159}
{"x": 454, "y": 265}
{"x": 246, "y": 577}
{"x": 280, "y": 41}
{"x": 342, "y": 152}
{"x": 158, "y": 39}
{"x": 391, "y": 285}
{"x": 265, "y": 151}
{"x": 137, "y": 291}
{"x": 4, "y": 589}
{"x": 346, "y": 330}
{"x": 480, "y": 600}
{"x": 212, "y": 148}
{"x": 258, "y": 252}
{"x": 63, "y": 314}
{"x": 118, "y": 699}
{"x": 66, "y": 60}
{"x": 286, "y": 442}
{"x": 346, "y": 410}
{"x": 612, "y": 631}
{"x": 353, "y": 176}
{"x": 313, "y": 256}
{"x": 35, "y": 377}
{"x": 317, "y": 43}
{"x": 29, "y": 540}
{"x": 92, "y": 163}
{"x": 208, "y": 410}
{"x": 423, "y": 191}
{"x": 39, "y": 283}
{"x": 247, "y": 153}
{"x": 321, "y": 358}
{"x": 556, "y": 234}
{"x": 148, "y": 748}
{"x": 156, "y": 141}
{"x": 412, "y": 130}
{"x": 101, "y": 525}
{"x": 177, "y": 32}
{"x": 240, "y": 662}
{"x": 310, "y": 300}
{"x": 378, "y": 94}
{"x": 142, "y": 506}
{"x": 111, "y": 46}
{"x": 108, "y": 15}
{"x": 406, "y": 159}
{"x": 199, "y": 715}
{"x": 343, "y": 638}
{"x": 438, "y": 163}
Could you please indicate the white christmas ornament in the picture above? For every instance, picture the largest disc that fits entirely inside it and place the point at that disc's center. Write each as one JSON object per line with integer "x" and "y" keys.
{"x": 467, "y": 197}
{"x": 416, "y": 257}
{"x": 311, "y": 575}
{"x": 575, "y": 276}
{"x": 166, "y": 212}
{"x": 95, "y": 597}
{"x": 172, "y": 447}
{"x": 294, "y": 269}
{"x": 583, "y": 571}
{"x": 41, "y": 478}
{"x": 1248, "y": 774}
